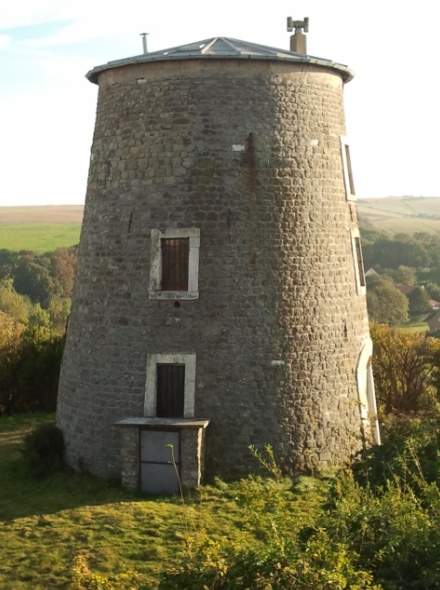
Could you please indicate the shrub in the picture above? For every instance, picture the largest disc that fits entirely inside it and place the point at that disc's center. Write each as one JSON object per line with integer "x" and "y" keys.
{"x": 410, "y": 450}
{"x": 319, "y": 564}
{"x": 29, "y": 372}
{"x": 355, "y": 536}
{"x": 394, "y": 531}
{"x": 282, "y": 546}
{"x": 44, "y": 450}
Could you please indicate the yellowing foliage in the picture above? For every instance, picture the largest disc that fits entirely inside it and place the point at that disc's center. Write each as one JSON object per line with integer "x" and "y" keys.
{"x": 404, "y": 368}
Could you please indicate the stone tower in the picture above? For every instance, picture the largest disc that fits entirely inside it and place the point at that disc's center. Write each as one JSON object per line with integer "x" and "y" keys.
{"x": 220, "y": 296}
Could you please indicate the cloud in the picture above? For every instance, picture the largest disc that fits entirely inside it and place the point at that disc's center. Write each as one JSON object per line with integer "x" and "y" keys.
{"x": 24, "y": 13}
{"x": 5, "y": 41}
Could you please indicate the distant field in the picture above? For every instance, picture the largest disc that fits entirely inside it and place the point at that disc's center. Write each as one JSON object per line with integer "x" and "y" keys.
{"x": 393, "y": 215}
{"x": 44, "y": 229}
{"x": 41, "y": 229}
{"x": 392, "y": 226}
{"x": 39, "y": 237}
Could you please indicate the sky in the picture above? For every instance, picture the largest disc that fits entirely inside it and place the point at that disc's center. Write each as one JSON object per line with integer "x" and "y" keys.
{"x": 47, "y": 106}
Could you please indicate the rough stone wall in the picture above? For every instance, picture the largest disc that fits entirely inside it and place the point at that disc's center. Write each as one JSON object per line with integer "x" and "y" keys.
{"x": 276, "y": 276}
{"x": 130, "y": 457}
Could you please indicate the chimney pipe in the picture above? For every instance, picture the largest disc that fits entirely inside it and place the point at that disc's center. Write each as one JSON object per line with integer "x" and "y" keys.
{"x": 144, "y": 42}
{"x": 298, "y": 41}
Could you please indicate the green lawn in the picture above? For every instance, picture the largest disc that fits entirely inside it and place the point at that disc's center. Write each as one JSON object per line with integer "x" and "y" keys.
{"x": 39, "y": 237}
{"x": 47, "y": 524}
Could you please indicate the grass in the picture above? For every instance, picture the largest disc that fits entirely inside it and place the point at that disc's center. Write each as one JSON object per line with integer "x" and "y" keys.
{"x": 39, "y": 237}
{"x": 41, "y": 229}
{"x": 406, "y": 225}
{"x": 416, "y": 327}
{"x": 47, "y": 523}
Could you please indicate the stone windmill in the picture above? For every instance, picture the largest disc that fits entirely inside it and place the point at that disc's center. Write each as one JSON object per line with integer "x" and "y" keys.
{"x": 220, "y": 297}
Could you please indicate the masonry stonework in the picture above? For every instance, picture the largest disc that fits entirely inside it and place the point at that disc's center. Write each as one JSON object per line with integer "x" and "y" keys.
{"x": 249, "y": 153}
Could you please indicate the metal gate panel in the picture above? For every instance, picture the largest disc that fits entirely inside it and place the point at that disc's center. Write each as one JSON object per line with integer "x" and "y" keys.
{"x": 157, "y": 472}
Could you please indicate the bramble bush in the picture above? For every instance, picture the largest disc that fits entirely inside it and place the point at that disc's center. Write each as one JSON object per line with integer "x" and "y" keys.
{"x": 410, "y": 451}
{"x": 43, "y": 450}
{"x": 354, "y": 536}
{"x": 282, "y": 546}
{"x": 30, "y": 361}
{"x": 394, "y": 531}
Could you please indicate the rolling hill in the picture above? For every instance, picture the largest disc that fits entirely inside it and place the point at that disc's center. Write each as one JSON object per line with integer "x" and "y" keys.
{"x": 392, "y": 215}
{"x": 46, "y": 228}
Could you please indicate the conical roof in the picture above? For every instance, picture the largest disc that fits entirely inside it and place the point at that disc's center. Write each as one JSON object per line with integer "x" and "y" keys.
{"x": 222, "y": 48}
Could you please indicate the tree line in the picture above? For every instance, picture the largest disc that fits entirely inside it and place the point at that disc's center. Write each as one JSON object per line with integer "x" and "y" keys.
{"x": 405, "y": 260}
{"x": 35, "y": 299}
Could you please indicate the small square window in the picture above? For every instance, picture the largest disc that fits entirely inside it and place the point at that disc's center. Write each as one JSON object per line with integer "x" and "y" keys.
{"x": 174, "y": 268}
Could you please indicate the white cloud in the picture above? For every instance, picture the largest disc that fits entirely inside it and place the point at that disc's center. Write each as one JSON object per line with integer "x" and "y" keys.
{"x": 5, "y": 41}
{"x": 23, "y": 13}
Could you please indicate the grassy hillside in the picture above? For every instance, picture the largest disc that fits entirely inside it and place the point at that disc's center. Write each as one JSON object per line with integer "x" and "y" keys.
{"x": 48, "y": 524}
{"x": 41, "y": 229}
{"x": 394, "y": 215}
{"x": 67, "y": 521}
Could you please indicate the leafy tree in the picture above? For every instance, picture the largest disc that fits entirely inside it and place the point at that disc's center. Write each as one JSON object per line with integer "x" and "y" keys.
{"x": 32, "y": 278}
{"x": 11, "y": 337}
{"x": 20, "y": 307}
{"x": 29, "y": 368}
{"x": 8, "y": 263}
{"x": 386, "y": 304}
{"x": 418, "y": 301}
{"x": 433, "y": 290}
{"x": 38, "y": 318}
{"x": 12, "y": 303}
{"x": 59, "y": 310}
{"x": 370, "y": 235}
{"x": 404, "y": 275}
{"x": 38, "y": 372}
{"x": 404, "y": 370}
{"x": 64, "y": 262}
{"x": 394, "y": 253}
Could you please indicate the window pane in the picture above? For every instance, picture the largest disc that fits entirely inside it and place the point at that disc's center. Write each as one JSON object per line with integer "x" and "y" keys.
{"x": 170, "y": 391}
{"x": 349, "y": 169}
{"x": 175, "y": 264}
{"x": 360, "y": 262}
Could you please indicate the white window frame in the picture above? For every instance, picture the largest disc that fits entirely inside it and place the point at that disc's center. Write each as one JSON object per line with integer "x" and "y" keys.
{"x": 189, "y": 360}
{"x": 155, "y": 291}
{"x": 361, "y": 289}
{"x": 348, "y": 170}
{"x": 366, "y": 392}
